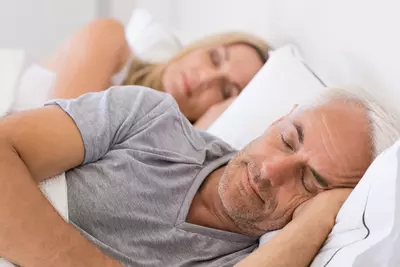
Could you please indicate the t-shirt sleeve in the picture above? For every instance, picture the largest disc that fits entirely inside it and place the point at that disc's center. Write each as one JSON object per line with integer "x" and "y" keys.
{"x": 112, "y": 116}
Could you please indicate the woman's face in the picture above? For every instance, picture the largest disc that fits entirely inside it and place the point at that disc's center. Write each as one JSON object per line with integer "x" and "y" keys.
{"x": 208, "y": 76}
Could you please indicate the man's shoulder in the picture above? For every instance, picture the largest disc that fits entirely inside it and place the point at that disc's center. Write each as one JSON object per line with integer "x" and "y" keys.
{"x": 168, "y": 123}
{"x": 216, "y": 144}
{"x": 138, "y": 103}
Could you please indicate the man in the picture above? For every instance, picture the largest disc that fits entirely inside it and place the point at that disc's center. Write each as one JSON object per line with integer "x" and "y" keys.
{"x": 148, "y": 189}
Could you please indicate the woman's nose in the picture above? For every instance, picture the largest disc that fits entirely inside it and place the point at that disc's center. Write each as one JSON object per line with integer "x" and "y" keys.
{"x": 279, "y": 171}
{"x": 207, "y": 76}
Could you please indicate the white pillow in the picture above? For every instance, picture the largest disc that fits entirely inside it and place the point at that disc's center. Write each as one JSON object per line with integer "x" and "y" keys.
{"x": 149, "y": 39}
{"x": 367, "y": 227}
{"x": 282, "y": 82}
{"x": 11, "y": 63}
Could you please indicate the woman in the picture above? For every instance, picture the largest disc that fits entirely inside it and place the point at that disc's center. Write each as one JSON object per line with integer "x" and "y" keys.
{"x": 203, "y": 78}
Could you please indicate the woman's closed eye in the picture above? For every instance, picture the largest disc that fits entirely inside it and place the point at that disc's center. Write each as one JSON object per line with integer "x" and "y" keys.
{"x": 286, "y": 143}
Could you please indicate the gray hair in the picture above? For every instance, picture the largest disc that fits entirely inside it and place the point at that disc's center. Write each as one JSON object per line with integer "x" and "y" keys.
{"x": 384, "y": 121}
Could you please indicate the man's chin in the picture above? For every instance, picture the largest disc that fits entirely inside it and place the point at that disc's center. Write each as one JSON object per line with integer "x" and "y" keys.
{"x": 250, "y": 223}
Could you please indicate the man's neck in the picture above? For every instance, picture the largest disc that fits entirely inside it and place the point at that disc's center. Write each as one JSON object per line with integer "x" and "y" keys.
{"x": 206, "y": 208}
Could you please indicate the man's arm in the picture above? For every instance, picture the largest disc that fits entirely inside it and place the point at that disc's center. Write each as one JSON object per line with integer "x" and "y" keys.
{"x": 33, "y": 146}
{"x": 298, "y": 242}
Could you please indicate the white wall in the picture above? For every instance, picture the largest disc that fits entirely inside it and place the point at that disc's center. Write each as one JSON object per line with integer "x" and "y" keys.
{"x": 39, "y": 26}
{"x": 162, "y": 10}
{"x": 196, "y": 18}
{"x": 122, "y": 9}
{"x": 343, "y": 41}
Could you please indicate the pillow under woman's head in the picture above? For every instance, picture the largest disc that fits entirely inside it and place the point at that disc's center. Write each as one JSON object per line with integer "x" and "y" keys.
{"x": 150, "y": 39}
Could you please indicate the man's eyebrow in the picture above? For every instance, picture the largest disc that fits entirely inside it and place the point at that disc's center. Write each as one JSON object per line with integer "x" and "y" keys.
{"x": 320, "y": 180}
{"x": 300, "y": 133}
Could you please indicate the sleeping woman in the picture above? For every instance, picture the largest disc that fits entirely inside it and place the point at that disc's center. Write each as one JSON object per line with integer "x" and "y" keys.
{"x": 204, "y": 77}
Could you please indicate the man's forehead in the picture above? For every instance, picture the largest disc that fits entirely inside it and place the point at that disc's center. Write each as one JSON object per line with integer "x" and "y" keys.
{"x": 337, "y": 131}
{"x": 333, "y": 107}
{"x": 334, "y": 120}
{"x": 301, "y": 111}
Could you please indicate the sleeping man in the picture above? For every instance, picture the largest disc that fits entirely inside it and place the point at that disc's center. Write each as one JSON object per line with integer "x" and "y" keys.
{"x": 145, "y": 188}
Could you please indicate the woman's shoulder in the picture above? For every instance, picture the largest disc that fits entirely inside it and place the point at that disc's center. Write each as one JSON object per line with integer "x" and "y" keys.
{"x": 119, "y": 77}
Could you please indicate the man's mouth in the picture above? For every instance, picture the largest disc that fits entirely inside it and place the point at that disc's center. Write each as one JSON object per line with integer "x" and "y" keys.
{"x": 248, "y": 182}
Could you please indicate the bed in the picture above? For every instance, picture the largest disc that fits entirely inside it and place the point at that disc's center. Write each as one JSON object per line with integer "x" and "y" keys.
{"x": 340, "y": 42}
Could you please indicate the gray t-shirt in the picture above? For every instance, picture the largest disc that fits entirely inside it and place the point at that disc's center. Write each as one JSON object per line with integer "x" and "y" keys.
{"x": 144, "y": 162}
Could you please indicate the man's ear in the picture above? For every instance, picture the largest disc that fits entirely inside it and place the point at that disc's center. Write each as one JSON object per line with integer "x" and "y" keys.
{"x": 293, "y": 108}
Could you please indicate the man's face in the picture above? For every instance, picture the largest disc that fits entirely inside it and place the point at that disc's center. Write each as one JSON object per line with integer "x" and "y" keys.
{"x": 306, "y": 152}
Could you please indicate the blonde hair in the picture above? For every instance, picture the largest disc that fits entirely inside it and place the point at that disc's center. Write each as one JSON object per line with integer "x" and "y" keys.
{"x": 150, "y": 74}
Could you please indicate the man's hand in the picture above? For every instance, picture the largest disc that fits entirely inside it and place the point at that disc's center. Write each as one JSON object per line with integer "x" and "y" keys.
{"x": 325, "y": 206}
{"x": 298, "y": 242}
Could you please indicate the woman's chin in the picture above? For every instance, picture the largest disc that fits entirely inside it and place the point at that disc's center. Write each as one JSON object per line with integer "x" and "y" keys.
{"x": 176, "y": 93}
{"x": 170, "y": 88}
{"x": 167, "y": 88}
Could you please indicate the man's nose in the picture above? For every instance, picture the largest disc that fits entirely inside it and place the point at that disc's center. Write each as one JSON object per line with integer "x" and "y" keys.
{"x": 280, "y": 171}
